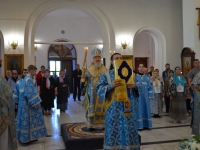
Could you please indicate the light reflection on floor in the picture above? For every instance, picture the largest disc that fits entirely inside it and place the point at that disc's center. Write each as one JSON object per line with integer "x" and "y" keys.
{"x": 76, "y": 113}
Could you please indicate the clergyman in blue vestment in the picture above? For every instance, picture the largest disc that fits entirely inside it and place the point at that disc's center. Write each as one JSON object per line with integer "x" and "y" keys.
{"x": 121, "y": 130}
{"x": 145, "y": 89}
{"x": 30, "y": 121}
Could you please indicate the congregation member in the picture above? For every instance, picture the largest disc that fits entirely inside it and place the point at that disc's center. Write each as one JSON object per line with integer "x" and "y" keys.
{"x": 178, "y": 91}
{"x": 146, "y": 72}
{"x": 145, "y": 90}
{"x": 165, "y": 75}
{"x": 24, "y": 73}
{"x": 40, "y": 74}
{"x": 193, "y": 72}
{"x": 157, "y": 71}
{"x": 166, "y": 88}
{"x": 30, "y": 121}
{"x": 13, "y": 79}
{"x": 8, "y": 74}
{"x": 8, "y": 138}
{"x": 12, "y": 82}
{"x": 195, "y": 124}
{"x": 121, "y": 130}
{"x": 151, "y": 70}
{"x": 92, "y": 76}
{"x": 158, "y": 90}
{"x": 77, "y": 85}
{"x": 48, "y": 90}
{"x": 63, "y": 93}
{"x": 188, "y": 100}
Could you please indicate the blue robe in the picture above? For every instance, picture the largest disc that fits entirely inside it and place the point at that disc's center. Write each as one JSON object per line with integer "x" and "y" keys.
{"x": 145, "y": 89}
{"x": 195, "y": 106}
{"x": 121, "y": 131}
{"x": 30, "y": 121}
{"x": 93, "y": 104}
{"x": 7, "y": 117}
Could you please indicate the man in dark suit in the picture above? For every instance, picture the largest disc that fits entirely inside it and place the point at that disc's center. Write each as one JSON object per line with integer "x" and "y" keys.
{"x": 165, "y": 75}
{"x": 77, "y": 76}
{"x": 152, "y": 69}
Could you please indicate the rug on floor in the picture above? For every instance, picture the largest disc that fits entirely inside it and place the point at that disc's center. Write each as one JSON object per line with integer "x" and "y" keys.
{"x": 76, "y": 136}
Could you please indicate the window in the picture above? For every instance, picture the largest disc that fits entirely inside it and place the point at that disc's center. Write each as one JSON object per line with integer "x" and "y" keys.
{"x": 54, "y": 68}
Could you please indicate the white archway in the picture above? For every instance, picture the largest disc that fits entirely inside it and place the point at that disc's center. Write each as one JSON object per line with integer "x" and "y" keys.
{"x": 2, "y": 52}
{"x": 160, "y": 45}
{"x": 85, "y": 6}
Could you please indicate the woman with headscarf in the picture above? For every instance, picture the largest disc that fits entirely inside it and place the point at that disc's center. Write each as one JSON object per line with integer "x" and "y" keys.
{"x": 63, "y": 86}
{"x": 178, "y": 91}
{"x": 48, "y": 90}
{"x": 158, "y": 90}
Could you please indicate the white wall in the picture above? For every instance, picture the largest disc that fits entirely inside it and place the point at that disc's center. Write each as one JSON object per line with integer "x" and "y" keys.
{"x": 144, "y": 47}
{"x": 126, "y": 17}
{"x": 78, "y": 27}
{"x": 165, "y": 15}
{"x": 13, "y": 30}
{"x": 190, "y": 28}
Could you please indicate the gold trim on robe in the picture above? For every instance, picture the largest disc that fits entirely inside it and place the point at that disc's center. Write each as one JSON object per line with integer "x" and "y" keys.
{"x": 99, "y": 104}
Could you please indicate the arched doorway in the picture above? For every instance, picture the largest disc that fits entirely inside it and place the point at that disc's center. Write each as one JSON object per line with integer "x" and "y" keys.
{"x": 144, "y": 50}
{"x": 159, "y": 56}
{"x": 85, "y": 6}
{"x": 2, "y": 52}
{"x": 62, "y": 56}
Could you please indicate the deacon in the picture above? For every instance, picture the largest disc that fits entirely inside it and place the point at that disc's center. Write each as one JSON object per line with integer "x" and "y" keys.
{"x": 121, "y": 130}
{"x": 8, "y": 139}
{"x": 30, "y": 121}
{"x": 95, "y": 118}
{"x": 145, "y": 89}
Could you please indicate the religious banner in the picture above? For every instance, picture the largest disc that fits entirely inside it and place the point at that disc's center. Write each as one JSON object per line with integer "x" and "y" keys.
{"x": 123, "y": 70}
{"x": 121, "y": 91}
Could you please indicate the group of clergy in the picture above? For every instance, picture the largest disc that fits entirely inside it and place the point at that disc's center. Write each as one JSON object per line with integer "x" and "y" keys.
{"x": 111, "y": 104}
{"x": 122, "y": 117}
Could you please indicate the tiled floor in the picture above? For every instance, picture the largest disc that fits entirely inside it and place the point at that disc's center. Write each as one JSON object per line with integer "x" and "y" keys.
{"x": 165, "y": 135}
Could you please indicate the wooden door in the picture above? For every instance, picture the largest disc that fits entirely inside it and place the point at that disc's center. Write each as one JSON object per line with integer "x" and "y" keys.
{"x": 67, "y": 64}
{"x": 139, "y": 60}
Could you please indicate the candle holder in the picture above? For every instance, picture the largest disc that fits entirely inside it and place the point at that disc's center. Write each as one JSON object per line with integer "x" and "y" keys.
{"x": 84, "y": 67}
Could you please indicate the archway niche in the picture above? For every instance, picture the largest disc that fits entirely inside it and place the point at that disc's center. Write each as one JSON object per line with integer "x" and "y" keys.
{"x": 159, "y": 54}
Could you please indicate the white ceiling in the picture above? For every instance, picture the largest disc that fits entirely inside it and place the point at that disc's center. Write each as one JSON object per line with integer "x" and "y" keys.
{"x": 67, "y": 12}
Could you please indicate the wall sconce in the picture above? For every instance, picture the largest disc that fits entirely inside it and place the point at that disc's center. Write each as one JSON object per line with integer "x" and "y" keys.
{"x": 14, "y": 45}
{"x": 124, "y": 45}
{"x": 35, "y": 47}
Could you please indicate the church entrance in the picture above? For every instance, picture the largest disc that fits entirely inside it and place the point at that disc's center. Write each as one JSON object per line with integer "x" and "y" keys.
{"x": 62, "y": 56}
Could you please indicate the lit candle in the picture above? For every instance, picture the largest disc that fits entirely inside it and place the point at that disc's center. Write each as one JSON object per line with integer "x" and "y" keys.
{"x": 86, "y": 49}
{"x": 114, "y": 51}
{"x": 110, "y": 52}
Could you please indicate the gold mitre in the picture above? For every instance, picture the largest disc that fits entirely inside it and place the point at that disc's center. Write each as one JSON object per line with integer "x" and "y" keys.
{"x": 124, "y": 70}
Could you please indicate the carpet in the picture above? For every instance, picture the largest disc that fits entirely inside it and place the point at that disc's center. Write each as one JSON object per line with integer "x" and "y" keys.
{"x": 76, "y": 136}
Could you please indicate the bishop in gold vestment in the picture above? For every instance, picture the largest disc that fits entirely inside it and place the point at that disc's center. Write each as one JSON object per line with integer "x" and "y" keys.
{"x": 93, "y": 104}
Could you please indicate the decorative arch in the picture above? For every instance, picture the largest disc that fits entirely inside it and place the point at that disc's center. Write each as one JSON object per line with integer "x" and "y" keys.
{"x": 62, "y": 50}
{"x": 2, "y": 51}
{"x": 160, "y": 45}
{"x": 85, "y": 6}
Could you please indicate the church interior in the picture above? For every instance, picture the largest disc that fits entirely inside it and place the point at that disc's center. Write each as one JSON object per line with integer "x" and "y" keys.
{"x": 54, "y": 33}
